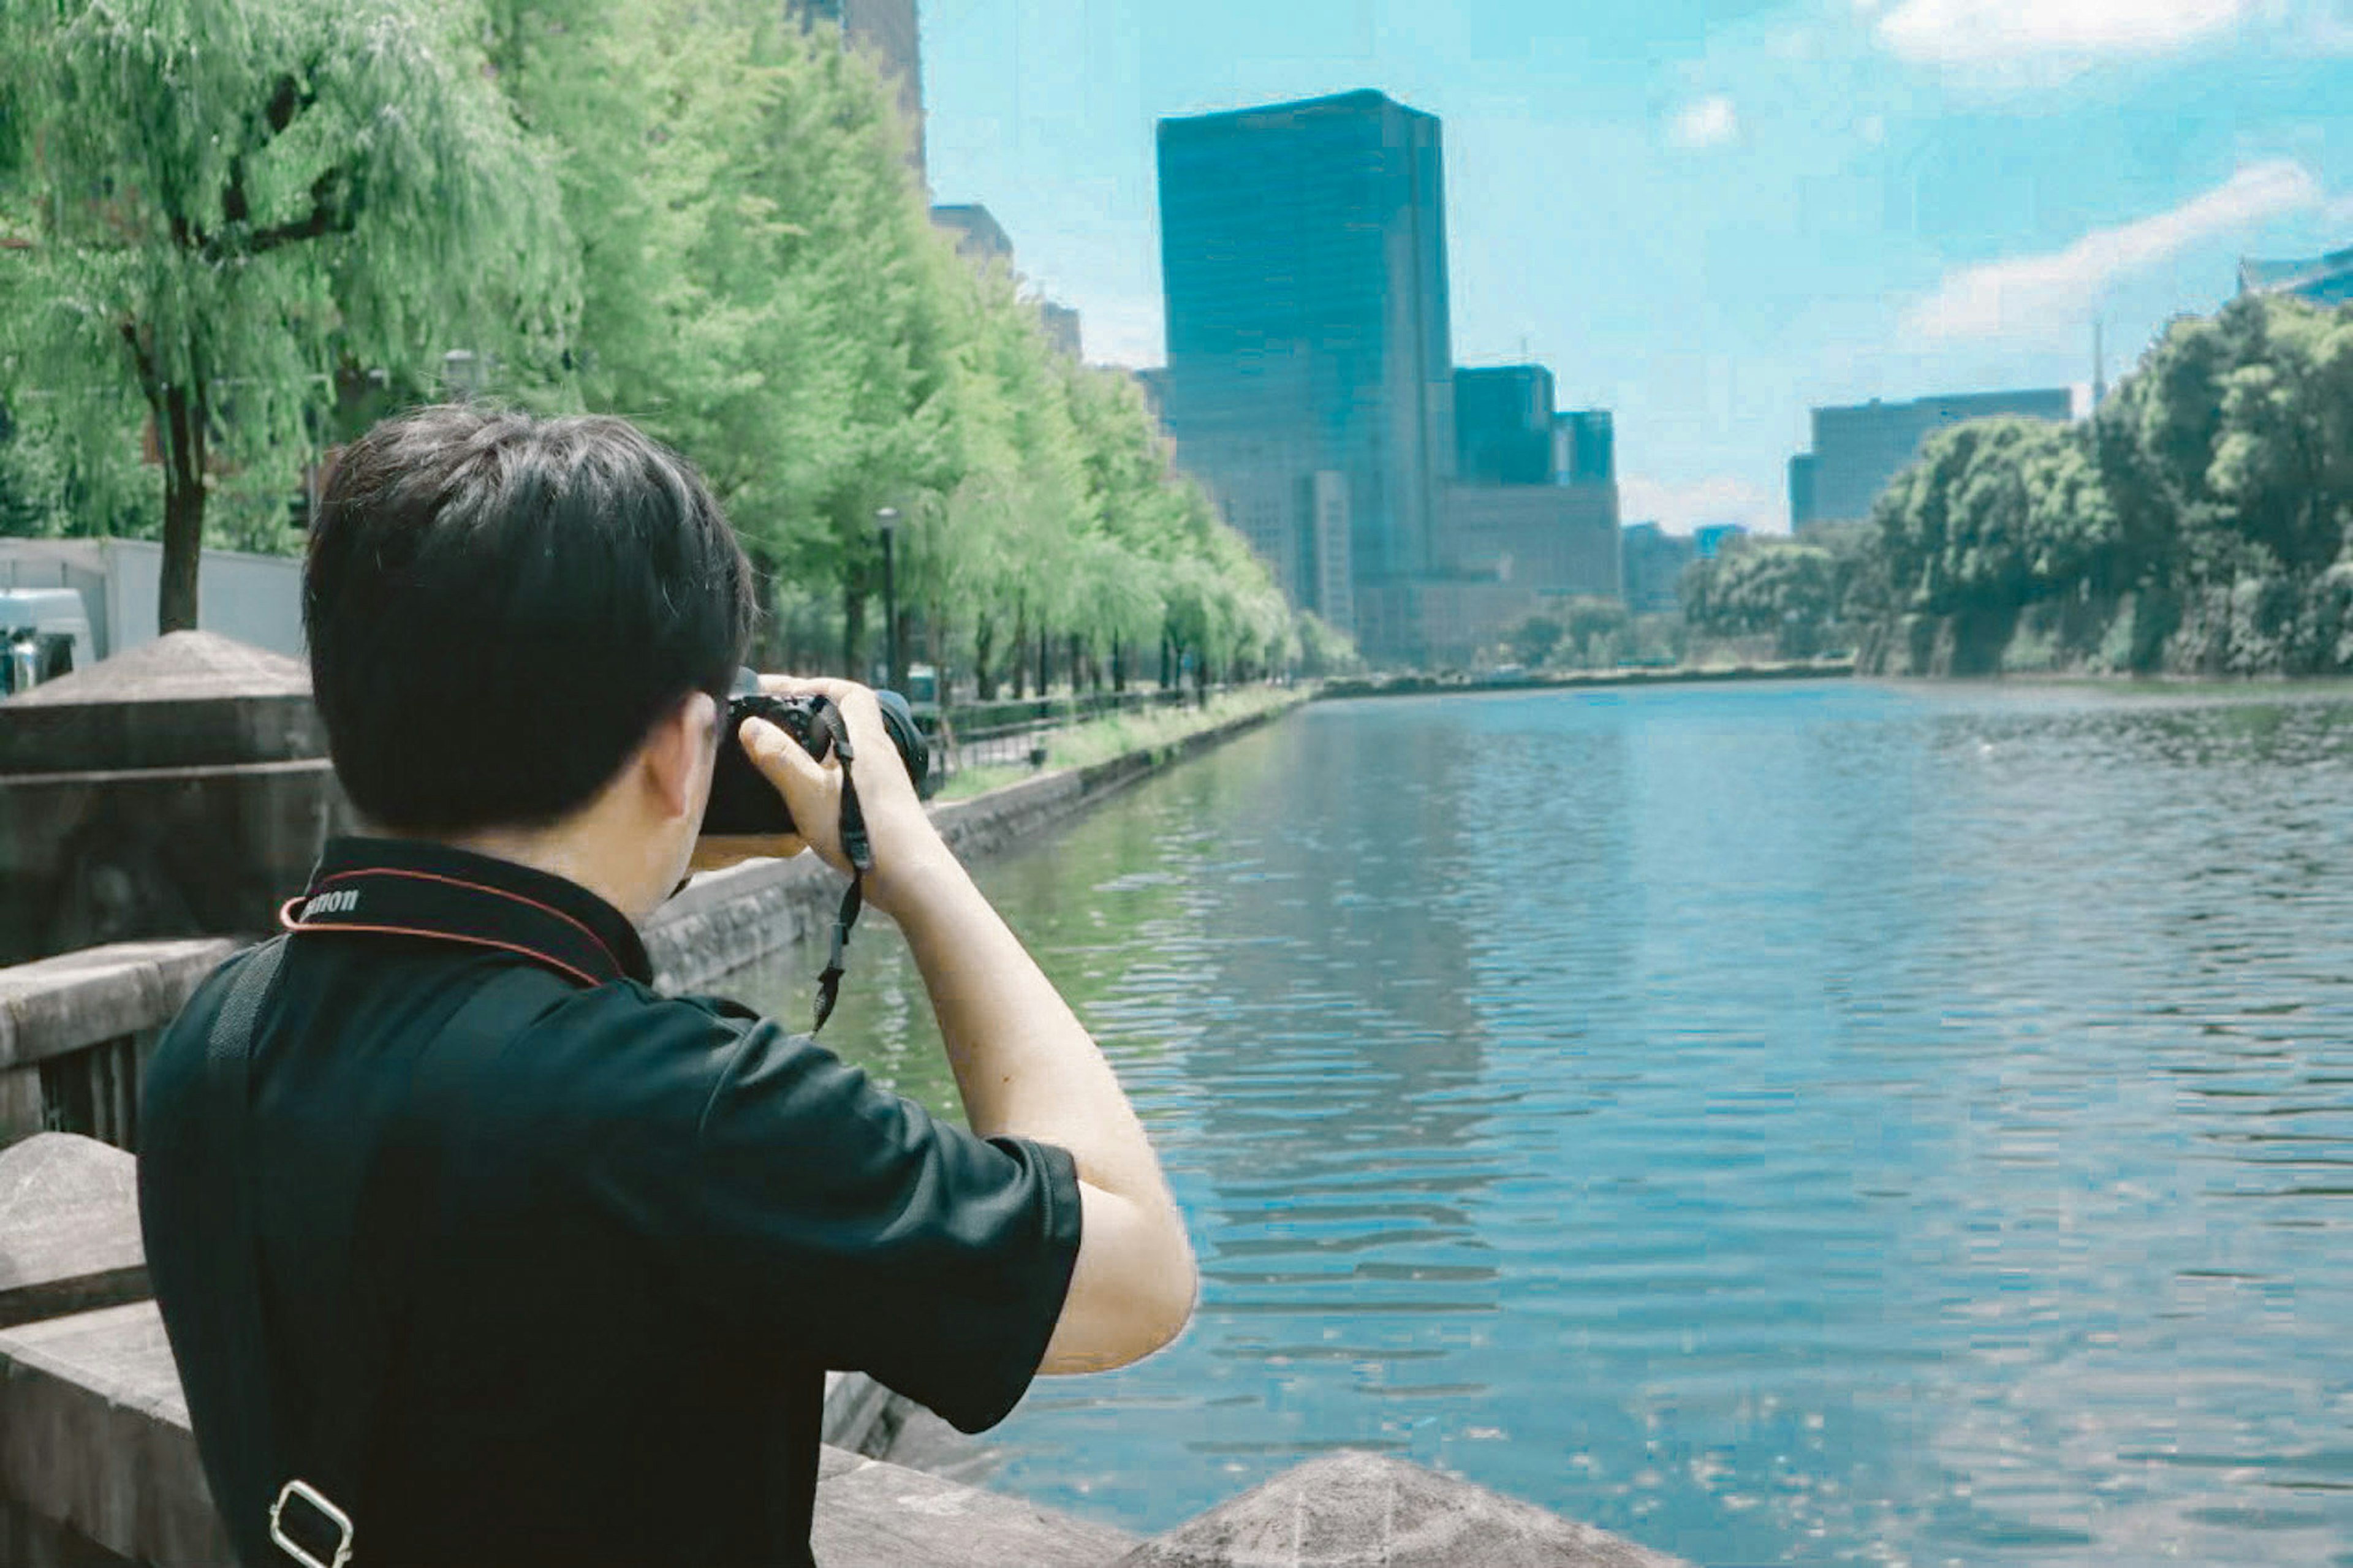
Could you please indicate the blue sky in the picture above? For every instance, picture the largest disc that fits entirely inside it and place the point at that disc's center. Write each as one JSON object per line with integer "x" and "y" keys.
{"x": 1709, "y": 214}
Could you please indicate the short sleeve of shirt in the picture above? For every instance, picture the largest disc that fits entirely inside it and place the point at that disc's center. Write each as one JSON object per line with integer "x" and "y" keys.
{"x": 881, "y": 1238}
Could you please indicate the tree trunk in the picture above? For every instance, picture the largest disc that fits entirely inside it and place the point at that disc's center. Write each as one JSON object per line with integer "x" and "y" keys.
{"x": 1118, "y": 665}
{"x": 182, "y": 436}
{"x": 1020, "y": 654}
{"x": 1045, "y": 663}
{"x": 983, "y": 669}
{"x": 1074, "y": 664}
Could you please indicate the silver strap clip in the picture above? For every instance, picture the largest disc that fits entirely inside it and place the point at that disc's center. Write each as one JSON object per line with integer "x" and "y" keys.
{"x": 308, "y": 1493}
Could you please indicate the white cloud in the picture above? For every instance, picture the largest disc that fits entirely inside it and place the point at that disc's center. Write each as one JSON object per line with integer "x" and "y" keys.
{"x": 1709, "y": 122}
{"x": 1685, "y": 507}
{"x": 1995, "y": 32}
{"x": 2063, "y": 289}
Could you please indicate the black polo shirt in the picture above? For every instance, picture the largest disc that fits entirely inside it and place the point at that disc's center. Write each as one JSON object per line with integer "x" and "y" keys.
{"x": 660, "y": 1221}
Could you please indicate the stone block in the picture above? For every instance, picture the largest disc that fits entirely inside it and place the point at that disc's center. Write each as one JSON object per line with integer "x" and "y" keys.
{"x": 94, "y": 1437}
{"x": 69, "y": 1228}
{"x": 22, "y": 1113}
{"x": 187, "y": 699}
{"x": 178, "y": 789}
{"x": 1366, "y": 1511}
{"x": 861, "y": 1415}
{"x": 56, "y": 1007}
{"x": 873, "y": 1514}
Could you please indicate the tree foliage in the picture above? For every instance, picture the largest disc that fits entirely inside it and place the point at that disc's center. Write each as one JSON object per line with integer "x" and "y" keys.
{"x": 224, "y": 204}
{"x": 1795, "y": 591}
{"x": 2199, "y": 521}
{"x": 693, "y": 213}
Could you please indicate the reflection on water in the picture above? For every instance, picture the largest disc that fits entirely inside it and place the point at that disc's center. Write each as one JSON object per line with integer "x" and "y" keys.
{"x": 1823, "y": 1124}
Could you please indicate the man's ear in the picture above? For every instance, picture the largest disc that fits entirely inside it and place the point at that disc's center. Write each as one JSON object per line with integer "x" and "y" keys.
{"x": 677, "y": 758}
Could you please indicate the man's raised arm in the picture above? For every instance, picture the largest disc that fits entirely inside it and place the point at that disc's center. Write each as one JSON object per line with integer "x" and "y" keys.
{"x": 1024, "y": 1063}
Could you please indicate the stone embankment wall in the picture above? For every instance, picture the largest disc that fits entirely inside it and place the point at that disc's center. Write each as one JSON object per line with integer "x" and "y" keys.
{"x": 1577, "y": 680}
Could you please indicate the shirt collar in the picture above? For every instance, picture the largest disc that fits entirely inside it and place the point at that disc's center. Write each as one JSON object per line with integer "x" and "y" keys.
{"x": 408, "y": 887}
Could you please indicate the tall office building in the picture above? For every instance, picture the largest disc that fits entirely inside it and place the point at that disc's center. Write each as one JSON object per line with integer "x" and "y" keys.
{"x": 1503, "y": 426}
{"x": 2324, "y": 280}
{"x": 893, "y": 31}
{"x": 1857, "y": 449}
{"x": 1584, "y": 447}
{"x": 1303, "y": 261}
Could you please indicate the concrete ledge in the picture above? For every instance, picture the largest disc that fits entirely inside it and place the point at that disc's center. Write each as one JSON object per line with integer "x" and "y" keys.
{"x": 55, "y": 1006}
{"x": 94, "y": 1437}
{"x": 874, "y": 1514}
{"x": 69, "y": 1238}
{"x": 1366, "y": 1511}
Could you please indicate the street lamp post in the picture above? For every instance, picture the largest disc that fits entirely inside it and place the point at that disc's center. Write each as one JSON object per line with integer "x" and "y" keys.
{"x": 886, "y": 522}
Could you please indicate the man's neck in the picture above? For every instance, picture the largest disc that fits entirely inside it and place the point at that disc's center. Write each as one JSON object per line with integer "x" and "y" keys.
{"x": 569, "y": 855}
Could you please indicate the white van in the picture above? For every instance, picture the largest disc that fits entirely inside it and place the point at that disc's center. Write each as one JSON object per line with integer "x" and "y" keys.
{"x": 44, "y": 632}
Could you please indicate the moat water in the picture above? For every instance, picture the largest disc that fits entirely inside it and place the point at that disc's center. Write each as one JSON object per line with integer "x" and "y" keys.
{"x": 1809, "y": 1123}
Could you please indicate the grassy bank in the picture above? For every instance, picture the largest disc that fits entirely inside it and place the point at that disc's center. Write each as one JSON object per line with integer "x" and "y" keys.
{"x": 1115, "y": 735}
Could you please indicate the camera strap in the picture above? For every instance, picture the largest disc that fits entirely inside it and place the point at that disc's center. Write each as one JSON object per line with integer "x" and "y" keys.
{"x": 856, "y": 848}
{"x": 312, "y": 1514}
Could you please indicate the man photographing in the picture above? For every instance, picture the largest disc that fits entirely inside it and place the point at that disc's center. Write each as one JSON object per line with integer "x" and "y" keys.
{"x": 474, "y": 1249}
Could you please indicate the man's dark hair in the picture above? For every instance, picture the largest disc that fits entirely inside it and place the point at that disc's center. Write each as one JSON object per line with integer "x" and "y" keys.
{"x": 500, "y": 606}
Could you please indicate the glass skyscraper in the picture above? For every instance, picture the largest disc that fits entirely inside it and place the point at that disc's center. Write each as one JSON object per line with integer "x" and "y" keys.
{"x": 1502, "y": 424}
{"x": 1304, "y": 259}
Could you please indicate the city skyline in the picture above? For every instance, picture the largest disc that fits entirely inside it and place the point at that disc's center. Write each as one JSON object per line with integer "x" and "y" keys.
{"x": 1710, "y": 218}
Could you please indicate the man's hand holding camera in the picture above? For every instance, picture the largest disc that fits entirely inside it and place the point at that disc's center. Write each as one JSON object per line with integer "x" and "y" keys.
{"x": 908, "y": 851}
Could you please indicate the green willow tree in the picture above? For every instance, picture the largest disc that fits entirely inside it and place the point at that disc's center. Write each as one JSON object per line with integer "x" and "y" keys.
{"x": 230, "y": 202}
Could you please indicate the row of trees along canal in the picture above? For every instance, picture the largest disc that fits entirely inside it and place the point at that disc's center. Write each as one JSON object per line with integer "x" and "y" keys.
{"x": 238, "y": 232}
{"x": 2200, "y": 522}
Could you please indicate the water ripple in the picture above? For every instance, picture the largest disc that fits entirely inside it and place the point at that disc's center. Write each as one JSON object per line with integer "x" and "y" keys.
{"x": 1813, "y": 1124}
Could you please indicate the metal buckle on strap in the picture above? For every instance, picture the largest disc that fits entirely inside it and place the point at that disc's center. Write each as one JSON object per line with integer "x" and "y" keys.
{"x": 308, "y": 1493}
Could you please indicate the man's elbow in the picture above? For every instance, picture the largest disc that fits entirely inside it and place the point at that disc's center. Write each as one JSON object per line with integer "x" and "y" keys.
{"x": 1158, "y": 1303}
{"x": 1122, "y": 1316}
{"x": 1169, "y": 1300}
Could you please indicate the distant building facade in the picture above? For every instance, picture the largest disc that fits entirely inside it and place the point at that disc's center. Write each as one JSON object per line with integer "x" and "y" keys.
{"x": 1503, "y": 426}
{"x": 979, "y": 237}
{"x": 1153, "y": 382}
{"x": 1652, "y": 562}
{"x": 1061, "y": 324}
{"x": 1709, "y": 539}
{"x": 891, "y": 30}
{"x": 1549, "y": 539}
{"x": 1858, "y": 448}
{"x": 2324, "y": 279}
{"x": 1529, "y": 519}
{"x": 1803, "y": 506}
{"x": 1303, "y": 263}
{"x": 1584, "y": 447}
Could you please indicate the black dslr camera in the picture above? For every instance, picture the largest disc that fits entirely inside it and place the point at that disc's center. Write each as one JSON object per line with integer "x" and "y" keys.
{"x": 742, "y": 799}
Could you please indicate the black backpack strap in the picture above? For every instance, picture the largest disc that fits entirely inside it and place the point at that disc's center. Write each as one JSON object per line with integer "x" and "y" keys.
{"x": 320, "y": 1474}
{"x": 236, "y": 1266}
